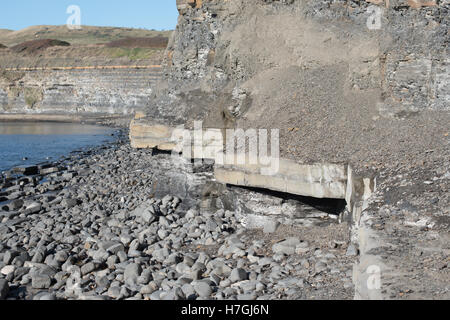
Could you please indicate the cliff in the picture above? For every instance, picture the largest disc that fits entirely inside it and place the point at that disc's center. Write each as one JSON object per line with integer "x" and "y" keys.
{"x": 226, "y": 47}
{"x": 81, "y": 91}
{"x": 91, "y": 71}
{"x": 314, "y": 66}
{"x": 358, "y": 83}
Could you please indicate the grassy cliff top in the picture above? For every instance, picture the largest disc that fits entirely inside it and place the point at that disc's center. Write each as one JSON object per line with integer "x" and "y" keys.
{"x": 85, "y": 36}
{"x": 89, "y": 46}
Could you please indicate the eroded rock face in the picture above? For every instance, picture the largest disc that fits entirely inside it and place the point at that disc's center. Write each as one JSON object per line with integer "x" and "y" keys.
{"x": 222, "y": 48}
{"x": 357, "y": 82}
{"x": 77, "y": 92}
{"x": 184, "y": 5}
{"x": 318, "y": 181}
{"x": 146, "y": 136}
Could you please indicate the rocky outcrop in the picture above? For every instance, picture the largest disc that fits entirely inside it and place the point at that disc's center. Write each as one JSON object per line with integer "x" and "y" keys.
{"x": 336, "y": 78}
{"x": 77, "y": 92}
{"x": 223, "y": 53}
{"x": 318, "y": 181}
{"x": 358, "y": 83}
{"x": 145, "y": 136}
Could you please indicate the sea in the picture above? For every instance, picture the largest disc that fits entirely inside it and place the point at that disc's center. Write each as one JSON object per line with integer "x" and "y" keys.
{"x": 30, "y": 143}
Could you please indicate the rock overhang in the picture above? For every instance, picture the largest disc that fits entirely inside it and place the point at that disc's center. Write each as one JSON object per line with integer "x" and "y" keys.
{"x": 317, "y": 180}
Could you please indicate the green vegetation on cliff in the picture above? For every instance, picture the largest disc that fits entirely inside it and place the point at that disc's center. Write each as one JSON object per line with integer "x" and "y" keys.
{"x": 58, "y": 46}
{"x": 87, "y": 35}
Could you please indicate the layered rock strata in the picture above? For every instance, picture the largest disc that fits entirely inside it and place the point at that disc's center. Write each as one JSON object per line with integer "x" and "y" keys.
{"x": 358, "y": 83}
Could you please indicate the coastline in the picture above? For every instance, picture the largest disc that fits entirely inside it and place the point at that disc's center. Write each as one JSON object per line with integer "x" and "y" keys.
{"x": 115, "y": 124}
{"x": 108, "y": 220}
{"x": 113, "y": 121}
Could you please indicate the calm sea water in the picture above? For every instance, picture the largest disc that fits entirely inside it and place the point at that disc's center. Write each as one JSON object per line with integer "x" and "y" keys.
{"x": 41, "y": 142}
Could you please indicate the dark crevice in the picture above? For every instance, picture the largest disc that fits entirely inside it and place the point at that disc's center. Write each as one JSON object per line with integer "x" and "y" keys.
{"x": 327, "y": 205}
{"x": 156, "y": 152}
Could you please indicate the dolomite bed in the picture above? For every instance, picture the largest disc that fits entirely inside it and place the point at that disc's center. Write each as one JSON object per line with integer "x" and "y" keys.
{"x": 320, "y": 180}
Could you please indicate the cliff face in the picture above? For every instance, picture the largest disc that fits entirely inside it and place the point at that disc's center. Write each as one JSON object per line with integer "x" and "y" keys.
{"x": 360, "y": 82}
{"x": 364, "y": 83}
{"x": 95, "y": 75}
{"x": 120, "y": 91}
{"x": 230, "y": 53}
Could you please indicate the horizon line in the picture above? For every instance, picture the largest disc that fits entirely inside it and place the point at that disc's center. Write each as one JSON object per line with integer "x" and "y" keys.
{"x": 94, "y": 26}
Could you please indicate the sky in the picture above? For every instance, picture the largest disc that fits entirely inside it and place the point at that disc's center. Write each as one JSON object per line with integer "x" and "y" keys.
{"x": 146, "y": 14}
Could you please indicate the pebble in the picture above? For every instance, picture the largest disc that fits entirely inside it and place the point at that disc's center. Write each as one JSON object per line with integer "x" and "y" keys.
{"x": 88, "y": 268}
{"x": 41, "y": 281}
{"x": 4, "y": 289}
{"x": 114, "y": 292}
{"x": 238, "y": 274}
{"x": 69, "y": 203}
{"x": 203, "y": 289}
{"x": 8, "y": 270}
{"x": 188, "y": 290}
{"x": 132, "y": 273}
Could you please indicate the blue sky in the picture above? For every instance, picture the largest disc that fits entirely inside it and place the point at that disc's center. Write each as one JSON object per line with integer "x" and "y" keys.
{"x": 148, "y": 14}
